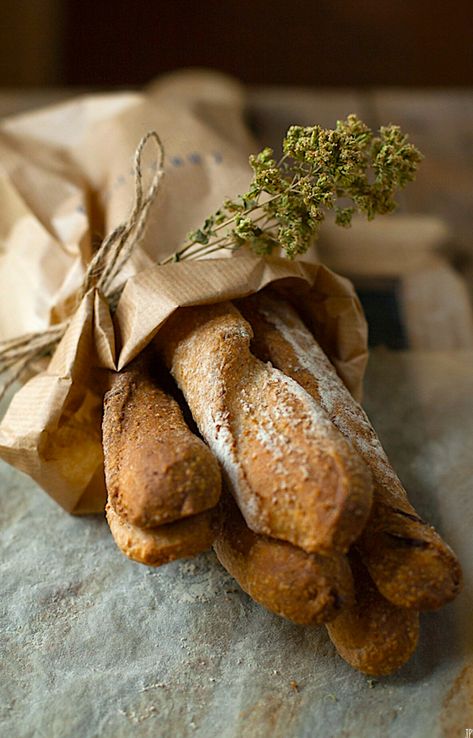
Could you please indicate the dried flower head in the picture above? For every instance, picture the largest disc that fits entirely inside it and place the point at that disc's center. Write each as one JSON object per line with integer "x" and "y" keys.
{"x": 346, "y": 169}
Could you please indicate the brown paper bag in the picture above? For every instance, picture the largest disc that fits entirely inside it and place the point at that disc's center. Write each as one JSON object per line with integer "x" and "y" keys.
{"x": 66, "y": 180}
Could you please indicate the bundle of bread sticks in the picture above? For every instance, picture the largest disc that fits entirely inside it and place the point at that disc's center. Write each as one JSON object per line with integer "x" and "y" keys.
{"x": 233, "y": 430}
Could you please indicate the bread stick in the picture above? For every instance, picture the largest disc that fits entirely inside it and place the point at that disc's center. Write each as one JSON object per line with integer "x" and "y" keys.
{"x": 308, "y": 589}
{"x": 156, "y": 469}
{"x": 165, "y": 543}
{"x": 369, "y": 632}
{"x": 374, "y": 636}
{"x": 410, "y": 563}
{"x": 292, "y": 473}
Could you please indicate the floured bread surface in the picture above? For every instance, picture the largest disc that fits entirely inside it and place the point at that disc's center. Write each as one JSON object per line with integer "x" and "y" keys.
{"x": 293, "y": 474}
{"x": 308, "y": 589}
{"x": 281, "y": 337}
{"x": 157, "y": 546}
{"x": 156, "y": 470}
{"x": 410, "y": 563}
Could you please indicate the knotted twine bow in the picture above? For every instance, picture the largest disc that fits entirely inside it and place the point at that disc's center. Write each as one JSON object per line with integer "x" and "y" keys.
{"x": 18, "y": 354}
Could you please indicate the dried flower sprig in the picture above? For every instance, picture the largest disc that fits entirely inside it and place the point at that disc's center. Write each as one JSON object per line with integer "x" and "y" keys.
{"x": 346, "y": 170}
{"x": 284, "y": 207}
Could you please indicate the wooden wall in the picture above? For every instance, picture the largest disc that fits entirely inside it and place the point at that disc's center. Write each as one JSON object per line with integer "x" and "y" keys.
{"x": 295, "y": 42}
{"x": 32, "y": 38}
{"x": 310, "y": 42}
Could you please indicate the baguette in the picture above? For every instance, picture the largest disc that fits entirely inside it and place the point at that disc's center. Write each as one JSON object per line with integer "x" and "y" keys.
{"x": 369, "y": 632}
{"x": 157, "y": 546}
{"x": 156, "y": 470}
{"x": 308, "y": 589}
{"x": 292, "y": 473}
{"x": 410, "y": 563}
{"x": 374, "y": 636}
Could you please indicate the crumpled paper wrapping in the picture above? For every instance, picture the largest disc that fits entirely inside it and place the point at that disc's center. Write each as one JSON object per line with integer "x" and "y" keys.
{"x": 65, "y": 182}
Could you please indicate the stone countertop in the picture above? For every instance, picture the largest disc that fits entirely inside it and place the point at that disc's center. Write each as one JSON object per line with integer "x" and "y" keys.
{"x": 95, "y": 645}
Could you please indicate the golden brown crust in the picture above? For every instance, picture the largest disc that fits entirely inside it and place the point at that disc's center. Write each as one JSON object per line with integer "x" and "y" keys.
{"x": 165, "y": 543}
{"x": 410, "y": 563}
{"x": 156, "y": 470}
{"x": 308, "y": 589}
{"x": 293, "y": 474}
{"x": 374, "y": 635}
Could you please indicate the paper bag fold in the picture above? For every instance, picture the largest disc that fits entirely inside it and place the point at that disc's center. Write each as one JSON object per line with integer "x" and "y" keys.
{"x": 52, "y": 429}
{"x": 67, "y": 180}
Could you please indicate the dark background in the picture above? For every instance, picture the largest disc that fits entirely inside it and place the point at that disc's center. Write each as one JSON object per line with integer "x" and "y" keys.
{"x": 299, "y": 42}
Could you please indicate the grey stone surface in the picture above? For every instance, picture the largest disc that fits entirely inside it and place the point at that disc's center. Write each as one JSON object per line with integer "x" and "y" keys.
{"x": 95, "y": 645}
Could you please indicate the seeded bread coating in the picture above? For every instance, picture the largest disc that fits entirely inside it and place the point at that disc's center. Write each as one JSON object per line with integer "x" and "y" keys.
{"x": 410, "y": 563}
{"x": 374, "y": 635}
{"x": 308, "y": 589}
{"x": 158, "y": 546}
{"x": 156, "y": 469}
{"x": 292, "y": 473}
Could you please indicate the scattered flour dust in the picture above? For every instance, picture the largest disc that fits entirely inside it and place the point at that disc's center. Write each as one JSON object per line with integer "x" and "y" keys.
{"x": 203, "y": 579}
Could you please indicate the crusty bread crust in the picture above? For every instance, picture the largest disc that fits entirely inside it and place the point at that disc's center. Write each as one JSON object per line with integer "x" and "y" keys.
{"x": 292, "y": 473}
{"x": 156, "y": 469}
{"x": 374, "y": 635}
{"x": 158, "y": 546}
{"x": 410, "y": 563}
{"x": 308, "y": 589}
{"x": 369, "y": 632}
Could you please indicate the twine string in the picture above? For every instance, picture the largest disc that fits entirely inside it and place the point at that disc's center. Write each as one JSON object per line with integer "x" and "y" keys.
{"x": 106, "y": 264}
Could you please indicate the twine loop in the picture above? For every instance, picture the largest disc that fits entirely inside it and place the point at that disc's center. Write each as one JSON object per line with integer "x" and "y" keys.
{"x": 17, "y": 354}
